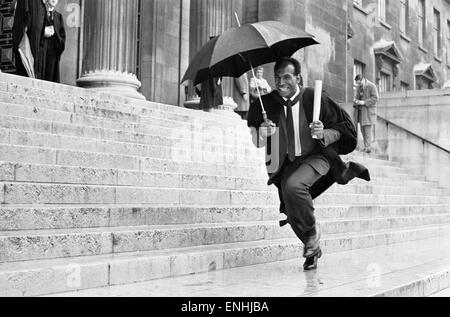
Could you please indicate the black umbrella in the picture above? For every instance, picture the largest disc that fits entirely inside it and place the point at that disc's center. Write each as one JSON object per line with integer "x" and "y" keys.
{"x": 234, "y": 52}
{"x": 238, "y": 50}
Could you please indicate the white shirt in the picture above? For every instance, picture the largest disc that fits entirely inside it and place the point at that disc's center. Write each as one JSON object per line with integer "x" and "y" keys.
{"x": 296, "y": 117}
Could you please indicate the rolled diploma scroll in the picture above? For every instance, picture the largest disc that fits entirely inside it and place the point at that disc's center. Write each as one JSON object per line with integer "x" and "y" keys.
{"x": 317, "y": 101}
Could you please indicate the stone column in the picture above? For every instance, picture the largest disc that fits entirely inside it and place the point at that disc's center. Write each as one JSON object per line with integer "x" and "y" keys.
{"x": 211, "y": 18}
{"x": 110, "y": 47}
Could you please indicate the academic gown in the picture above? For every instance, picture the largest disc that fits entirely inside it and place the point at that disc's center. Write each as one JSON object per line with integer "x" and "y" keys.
{"x": 52, "y": 48}
{"x": 211, "y": 94}
{"x": 30, "y": 14}
{"x": 333, "y": 117}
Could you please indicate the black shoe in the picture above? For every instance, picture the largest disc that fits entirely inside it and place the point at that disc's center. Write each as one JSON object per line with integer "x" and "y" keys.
{"x": 312, "y": 247}
{"x": 311, "y": 262}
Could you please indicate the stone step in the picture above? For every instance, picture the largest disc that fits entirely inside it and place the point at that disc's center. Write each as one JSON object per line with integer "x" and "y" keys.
{"x": 372, "y": 188}
{"x": 154, "y": 120}
{"x": 202, "y": 136}
{"x": 131, "y": 114}
{"x": 379, "y": 179}
{"x": 132, "y": 154}
{"x": 74, "y": 95}
{"x": 166, "y": 137}
{"x": 102, "y": 100}
{"x": 49, "y": 156}
{"x": 126, "y": 146}
{"x": 236, "y": 146}
{"x": 67, "y": 117}
{"x": 412, "y": 269}
{"x": 142, "y": 134}
{"x": 41, "y": 277}
{"x": 44, "y": 193}
{"x": 180, "y": 151}
{"x": 45, "y": 244}
{"x": 131, "y": 176}
{"x": 444, "y": 291}
{"x": 158, "y": 121}
{"x": 19, "y": 172}
{"x": 339, "y": 198}
{"x": 150, "y": 136}
{"x": 409, "y": 269}
{"x": 25, "y": 217}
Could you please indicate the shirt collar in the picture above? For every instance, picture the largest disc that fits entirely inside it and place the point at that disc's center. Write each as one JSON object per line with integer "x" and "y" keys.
{"x": 47, "y": 6}
{"x": 294, "y": 96}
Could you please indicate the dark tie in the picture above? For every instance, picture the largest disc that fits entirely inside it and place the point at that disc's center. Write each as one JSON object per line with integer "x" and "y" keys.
{"x": 290, "y": 130}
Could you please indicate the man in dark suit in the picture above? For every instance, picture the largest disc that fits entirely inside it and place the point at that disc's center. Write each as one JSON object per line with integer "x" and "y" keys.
{"x": 45, "y": 29}
{"x": 302, "y": 167}
{"x": 52, "y": 43}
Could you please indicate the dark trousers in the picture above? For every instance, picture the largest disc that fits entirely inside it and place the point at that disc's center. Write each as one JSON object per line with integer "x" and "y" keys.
{"x": 298, "y": 201}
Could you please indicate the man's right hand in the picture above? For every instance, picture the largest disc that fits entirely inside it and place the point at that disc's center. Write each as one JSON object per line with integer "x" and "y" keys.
{"x": 267, "y": 129}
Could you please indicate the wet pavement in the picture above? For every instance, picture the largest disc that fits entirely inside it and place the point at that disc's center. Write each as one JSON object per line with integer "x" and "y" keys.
{"x": 445, "y": 293}
{"x": 364, "y": 272}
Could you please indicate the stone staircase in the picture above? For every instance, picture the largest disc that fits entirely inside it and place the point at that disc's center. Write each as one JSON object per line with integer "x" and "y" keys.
{"x": 100, "y": 190}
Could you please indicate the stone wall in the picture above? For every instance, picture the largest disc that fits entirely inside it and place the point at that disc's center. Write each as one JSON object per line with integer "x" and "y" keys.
{"x": 333, "y": 60}
{"x": 327, "y": 21}
{"x": 164, "y": 49}
{"x": 368, "y": 31}
{"x": 166, "y": 46}
{"x": 394, "y": 140}
{"x": 424, "y": 158}
{"x": 424, "y": 112}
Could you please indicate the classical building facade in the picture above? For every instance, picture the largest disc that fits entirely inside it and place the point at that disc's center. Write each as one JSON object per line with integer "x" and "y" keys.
{"x": 141, "y": 48}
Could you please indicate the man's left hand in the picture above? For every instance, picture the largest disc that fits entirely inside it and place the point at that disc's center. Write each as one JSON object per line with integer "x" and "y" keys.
{"x": 317, "y": 129}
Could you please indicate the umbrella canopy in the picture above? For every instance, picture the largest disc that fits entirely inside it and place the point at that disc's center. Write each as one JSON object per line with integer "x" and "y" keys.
{"x": 237, "y": 50}
{"x": 26, "y": 55}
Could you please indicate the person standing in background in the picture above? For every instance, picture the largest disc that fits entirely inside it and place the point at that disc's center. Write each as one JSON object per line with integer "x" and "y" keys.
{"x": 241, "y": 96}
{"x": 52, "y": 43}
{"x": 210, "y": 92}
{"x": 29, "y": 17}
{"x": 259, "y": 82}
{"x": 365, "y": 105}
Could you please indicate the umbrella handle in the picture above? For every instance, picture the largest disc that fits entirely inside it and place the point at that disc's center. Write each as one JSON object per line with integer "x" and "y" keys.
{"x": 266, "y": 120}
{"x": 264, "y": 113}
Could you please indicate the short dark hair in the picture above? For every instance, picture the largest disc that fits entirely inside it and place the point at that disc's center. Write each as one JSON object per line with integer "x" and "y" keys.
{"x": 284, "y": 61}
{"x": 358, "y": 77}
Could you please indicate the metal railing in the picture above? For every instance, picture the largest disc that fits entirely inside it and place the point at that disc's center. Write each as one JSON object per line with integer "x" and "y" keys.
{"x": 388, "y": 122}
